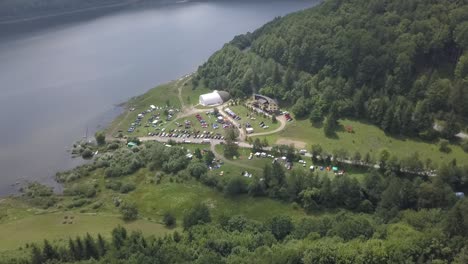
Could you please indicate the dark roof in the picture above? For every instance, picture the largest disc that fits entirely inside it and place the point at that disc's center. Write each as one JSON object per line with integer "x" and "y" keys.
{"x": 260, "y": 97}
{"x": 224, "y": 95}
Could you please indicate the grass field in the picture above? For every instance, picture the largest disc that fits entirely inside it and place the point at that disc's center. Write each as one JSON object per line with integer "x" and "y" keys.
{"x": 153, "y": 200}
{"x": 26, "y": 227}
{"x": 190, "y": 96}
{"x": 178, "y": 198}
{"x": 366, "y": 138}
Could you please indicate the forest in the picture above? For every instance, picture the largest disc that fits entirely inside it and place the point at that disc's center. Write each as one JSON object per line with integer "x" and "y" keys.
{"x": 401, "y": 65}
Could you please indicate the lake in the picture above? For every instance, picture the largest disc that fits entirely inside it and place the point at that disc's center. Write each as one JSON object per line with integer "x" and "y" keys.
{"x": 63, "y": 76}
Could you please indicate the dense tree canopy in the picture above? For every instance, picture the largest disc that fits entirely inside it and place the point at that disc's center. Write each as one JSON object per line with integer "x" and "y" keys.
{"x": 398, "y": 64}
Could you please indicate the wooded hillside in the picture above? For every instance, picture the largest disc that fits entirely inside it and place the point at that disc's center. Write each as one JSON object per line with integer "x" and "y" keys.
{"x": 399, "y": 64}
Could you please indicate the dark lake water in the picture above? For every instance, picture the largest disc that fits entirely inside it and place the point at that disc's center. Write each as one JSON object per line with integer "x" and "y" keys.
{"x": 60, "y": 76}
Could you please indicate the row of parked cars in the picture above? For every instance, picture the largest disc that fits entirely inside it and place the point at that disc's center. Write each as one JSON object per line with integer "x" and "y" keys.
{"x": 178, "y": 133}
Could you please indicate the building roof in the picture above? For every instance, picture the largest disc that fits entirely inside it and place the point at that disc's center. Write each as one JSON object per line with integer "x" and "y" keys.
{"x": 262, "y": 98}
{"x": 215, "y": 97}
{"x": 224, "y": 95}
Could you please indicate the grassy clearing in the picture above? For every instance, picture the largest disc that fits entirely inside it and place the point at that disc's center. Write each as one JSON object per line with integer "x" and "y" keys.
{"x": 178, "y": 198}
{"x": 366, "y": 138}
{"x": 153, "y": 200}
{"x": 36, "y": 228}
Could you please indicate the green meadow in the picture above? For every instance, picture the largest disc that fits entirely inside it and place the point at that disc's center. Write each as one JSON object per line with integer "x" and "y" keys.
{"x": 365, "y": 138}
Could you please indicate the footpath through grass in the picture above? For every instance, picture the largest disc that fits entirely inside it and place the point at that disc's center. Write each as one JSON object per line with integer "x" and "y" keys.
{"x": 366, "y": 138}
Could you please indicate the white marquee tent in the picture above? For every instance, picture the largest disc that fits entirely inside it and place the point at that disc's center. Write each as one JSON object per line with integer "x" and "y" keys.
{"x": 214, "y": 98}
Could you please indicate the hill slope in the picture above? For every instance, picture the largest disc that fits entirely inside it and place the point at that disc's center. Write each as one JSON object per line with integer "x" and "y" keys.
{"x": 398, "y": 64}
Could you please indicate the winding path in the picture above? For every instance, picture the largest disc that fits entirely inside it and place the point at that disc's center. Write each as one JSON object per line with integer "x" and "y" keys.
{"x": 283, "y": 122}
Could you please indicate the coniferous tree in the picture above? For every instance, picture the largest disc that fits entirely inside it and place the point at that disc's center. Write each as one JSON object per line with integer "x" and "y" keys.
{"x": 36, "y": 255}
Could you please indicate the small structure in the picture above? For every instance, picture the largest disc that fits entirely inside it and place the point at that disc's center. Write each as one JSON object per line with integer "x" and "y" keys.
{"x": 249, "y": 130}
{"x": 214, "y": 98}
{"x": 460, "y": 195}
{"x": 265, "y": 103}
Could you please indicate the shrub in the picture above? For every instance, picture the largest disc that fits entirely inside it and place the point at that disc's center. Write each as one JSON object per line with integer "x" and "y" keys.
{"x": 113, "y": 185}
{"x": 199, "y": 214}
{"x": 129, "y": 211}
{"x": 281, "y": 226}
{"x": 84, "y": 190}
{"x": 77, "y": 203}
{"x": 87, "y": 154}
{"x": 100, "y": 138}
{"x": 444, "y": 146}
{"x": 113, "y": 146}
{"x": 197, "y": 169}
{"x": 236, "y": 185}
{"x": 169, "y": 220}
{"x": 127, "y": 187}
{"x": 464, "y": 146}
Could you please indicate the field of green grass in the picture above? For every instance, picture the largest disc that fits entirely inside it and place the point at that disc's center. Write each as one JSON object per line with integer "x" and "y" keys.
{"x": 153, "y": 200}
{"x": 366, "y": 138}
{"x": 190, "y": 96}
{"x": 26, "y": 225}
{"x": 178, "y": 198}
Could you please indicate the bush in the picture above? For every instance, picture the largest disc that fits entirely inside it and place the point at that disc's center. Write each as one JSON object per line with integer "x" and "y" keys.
{"x": 444, "y": 146}
{"x": 83, "y": 190}
{"x": 127, "y": 187}
{"x": 100, "y": 138}
{"x": 236, "y": 185}
{"x": 169, "y": 220}
{"x": 199, "y": 214}
{"x": 281, "y": 226}
{"x": 197, "y": 169}
{"x": 113, "y": 146}
{"x": 87, "y": 154}
{"x": 464, "y": 146}
{"x": 113, "y": 185}
{"x": 129, "y": 211}
{"x": 78, "y": 203}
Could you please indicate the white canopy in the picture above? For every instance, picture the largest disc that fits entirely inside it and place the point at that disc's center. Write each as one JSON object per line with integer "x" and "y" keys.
{"x": 210, "y": 99}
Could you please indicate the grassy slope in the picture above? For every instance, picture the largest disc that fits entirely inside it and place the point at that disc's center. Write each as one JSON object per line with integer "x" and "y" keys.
{"x": 366, "y": 138}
